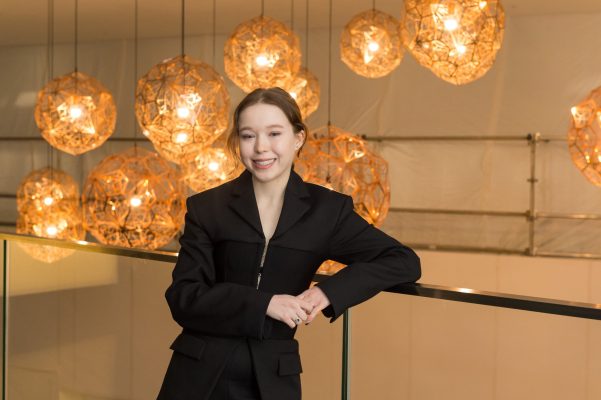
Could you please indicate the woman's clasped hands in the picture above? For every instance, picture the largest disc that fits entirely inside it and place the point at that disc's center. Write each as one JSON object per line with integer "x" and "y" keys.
{"x": 292, "y": 310}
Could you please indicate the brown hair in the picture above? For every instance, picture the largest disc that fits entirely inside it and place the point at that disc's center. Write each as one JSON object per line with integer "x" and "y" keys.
{"x": 274, "y": 96}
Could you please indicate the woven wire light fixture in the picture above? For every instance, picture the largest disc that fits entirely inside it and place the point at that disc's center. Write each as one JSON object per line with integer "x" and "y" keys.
{"x": 133, "y": 199}
{"x": 182, "y": 106}
{"x": 457, "y": 40}
{"x": 304, "y": 88}
{"x": 584, "y": 137}
{"x": 370, "y": 44}
{"x": 262, "y": 53}
{"x": 75, "y": 113}
{"x": 210, "y": 167}
{"x": 48, "y": 206}
{"x": 342, "y": 161}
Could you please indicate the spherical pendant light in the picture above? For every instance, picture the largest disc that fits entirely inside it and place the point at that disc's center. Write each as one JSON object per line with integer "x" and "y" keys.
{"x": 370, "y": 44}
{"x": 304, "y": 88}
{"x": 262, "y": 53}
{"x": 182, "y": 106}
{"x": 342, "y": 161}
{"x": 210, "y": 167}
{"x": 133, "y": 199}
{"x": 457, "y": 40}
{"x": 48, "y": 206}
{"x": 75, "y": 113}
{"x": 584, "y": 137}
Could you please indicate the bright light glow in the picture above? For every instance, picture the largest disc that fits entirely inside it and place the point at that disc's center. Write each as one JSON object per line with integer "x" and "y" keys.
{"x": 48, "y": 200}
{"x": 373, "y": 46}
{"x": 135, "y": 201}
{"x": 51, "y": 230}
{"x": 461, "y": 49}
{"x": 145, "y": 132}
{"x": 75, "y": 111}
{"x": 574, "y": 110}
{"x": 261, "y": 60}
{"x": 183, "y": 112}
{"x": 293, "y": 94}
{"x": 483, "y": 4}
{"x": 213, "y": 165}
{"x": 181, "y": 137}
{"x": 451, "y": 24}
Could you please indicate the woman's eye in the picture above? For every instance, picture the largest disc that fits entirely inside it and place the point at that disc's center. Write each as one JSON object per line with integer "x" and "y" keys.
{"x": 275, "y": 133}
{"x": 246, "y": 136}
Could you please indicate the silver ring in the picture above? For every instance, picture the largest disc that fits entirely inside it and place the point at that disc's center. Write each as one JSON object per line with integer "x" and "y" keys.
{"x": 297, "y": 320}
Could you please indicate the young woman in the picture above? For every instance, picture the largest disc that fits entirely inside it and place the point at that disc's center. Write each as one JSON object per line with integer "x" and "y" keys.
{"x": 248, "y": 254}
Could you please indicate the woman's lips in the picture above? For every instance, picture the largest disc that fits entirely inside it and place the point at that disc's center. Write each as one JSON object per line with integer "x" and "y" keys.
{"x": 263, "y": 164}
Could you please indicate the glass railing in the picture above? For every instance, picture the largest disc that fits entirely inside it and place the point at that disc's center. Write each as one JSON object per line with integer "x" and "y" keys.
{"x": 94, "y": 325}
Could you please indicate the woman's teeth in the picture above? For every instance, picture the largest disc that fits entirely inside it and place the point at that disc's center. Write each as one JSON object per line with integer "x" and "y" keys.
{"x": 264, "y": 163}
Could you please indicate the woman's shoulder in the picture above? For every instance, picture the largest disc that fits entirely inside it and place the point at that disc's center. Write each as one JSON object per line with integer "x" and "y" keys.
{"x": 323, "y": 193}
{"x": 212, "y": 195}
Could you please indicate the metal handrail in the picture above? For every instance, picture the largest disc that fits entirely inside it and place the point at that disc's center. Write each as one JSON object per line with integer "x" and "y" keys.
{"x": 465, "y": 295}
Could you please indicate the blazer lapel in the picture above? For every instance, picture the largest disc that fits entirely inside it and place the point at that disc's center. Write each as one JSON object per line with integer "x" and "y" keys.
{"x": 244, "y": 202}
{"x": 296, "y": 204}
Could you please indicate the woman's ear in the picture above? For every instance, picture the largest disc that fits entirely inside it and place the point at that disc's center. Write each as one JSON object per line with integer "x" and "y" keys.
{"x": 302, "y": 136}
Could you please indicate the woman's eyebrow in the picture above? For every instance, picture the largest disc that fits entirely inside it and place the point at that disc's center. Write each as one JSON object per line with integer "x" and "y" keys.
{"x": 275, "y": 126}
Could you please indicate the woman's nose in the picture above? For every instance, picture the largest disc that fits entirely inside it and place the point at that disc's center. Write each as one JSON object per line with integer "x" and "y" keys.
{"x": 261, "y": 144}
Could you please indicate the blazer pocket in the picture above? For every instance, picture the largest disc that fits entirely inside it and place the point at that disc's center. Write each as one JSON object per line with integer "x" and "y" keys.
{"x": 188, "y": 345}
{"x": 289, "y": 364}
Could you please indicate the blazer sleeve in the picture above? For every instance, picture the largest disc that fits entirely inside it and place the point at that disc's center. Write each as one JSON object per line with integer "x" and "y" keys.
{"x": 198, "y": 303}
{"x": 375, "y": 262}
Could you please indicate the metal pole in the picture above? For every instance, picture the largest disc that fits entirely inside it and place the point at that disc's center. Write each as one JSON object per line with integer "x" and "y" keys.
{"x": 4, "y": 317}
{"x": 533, "y": 143}
{"x": 346, "y": 359}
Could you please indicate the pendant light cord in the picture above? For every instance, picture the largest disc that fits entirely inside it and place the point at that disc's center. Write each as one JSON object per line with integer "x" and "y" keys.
{"x": 292, "y": 15}
{"x": 214, "y": 29}
{"x": 330, "y": 68}
{"x": 75, "y": 35}
{"x": 50, "y": 76}
{"x": 183, "y": 24}
{"x": 135, "y": 71}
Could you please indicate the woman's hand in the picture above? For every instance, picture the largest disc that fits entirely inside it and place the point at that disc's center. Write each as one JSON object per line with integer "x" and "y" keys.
{"x": 317, "y": 298}
{"x": 290, "y": 310}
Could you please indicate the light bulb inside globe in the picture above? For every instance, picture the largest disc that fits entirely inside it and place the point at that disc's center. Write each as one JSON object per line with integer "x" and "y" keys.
{"x": 461, "y": 49}
{"x": 451, "y": 24}
{"x": 213, "y": 166}
{"x": 48, "y": 200}
{"x": 261, "y": 60}
{"x": 373, "y": 46}
{"x": 135, "y": 201}
{"x": 183, "y": 112}
{"x": 51, "y": 230}
{"x": 483, "y": 4}
{"x": 75, "y": 111}
{"x": 181, "y": 137}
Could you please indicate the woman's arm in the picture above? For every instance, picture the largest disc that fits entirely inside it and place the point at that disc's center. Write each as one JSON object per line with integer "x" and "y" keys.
{"x": 198, "y": 303}
{"x": 375, "y": 262}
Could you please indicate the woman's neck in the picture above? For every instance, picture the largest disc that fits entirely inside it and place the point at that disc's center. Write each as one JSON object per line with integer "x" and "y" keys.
{"x": 272, "y": 191}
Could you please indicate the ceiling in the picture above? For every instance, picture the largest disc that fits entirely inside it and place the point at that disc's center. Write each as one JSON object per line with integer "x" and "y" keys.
{"x": 24, "y": 22}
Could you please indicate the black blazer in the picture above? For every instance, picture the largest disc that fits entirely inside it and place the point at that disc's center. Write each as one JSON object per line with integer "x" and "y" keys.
{"x": 214, "y": 294}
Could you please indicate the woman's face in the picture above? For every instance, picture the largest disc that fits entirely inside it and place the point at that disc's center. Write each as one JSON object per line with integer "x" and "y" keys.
{"x": 268, "y": 143}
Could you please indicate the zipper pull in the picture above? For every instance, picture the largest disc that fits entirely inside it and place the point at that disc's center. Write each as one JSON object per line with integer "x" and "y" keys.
{"x": 262, "y": 262}
{"x": 258, "y": 280}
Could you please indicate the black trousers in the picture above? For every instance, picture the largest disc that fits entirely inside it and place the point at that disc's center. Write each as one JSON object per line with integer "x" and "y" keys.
{"x": 238, "y": 381}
